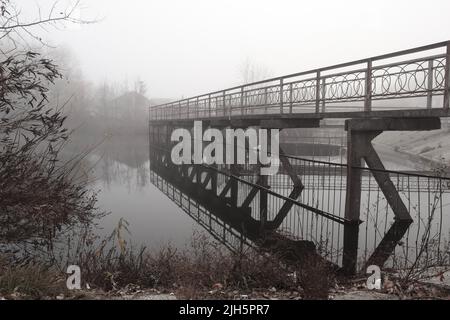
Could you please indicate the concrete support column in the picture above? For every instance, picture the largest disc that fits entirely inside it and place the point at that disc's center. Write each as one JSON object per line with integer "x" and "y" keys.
{"x": 360, "y": 133}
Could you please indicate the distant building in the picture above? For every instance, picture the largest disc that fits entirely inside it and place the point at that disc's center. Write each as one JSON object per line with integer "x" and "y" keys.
{"x": 130, "y": 106}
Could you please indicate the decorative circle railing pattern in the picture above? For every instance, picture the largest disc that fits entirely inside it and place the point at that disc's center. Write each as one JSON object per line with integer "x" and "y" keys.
{"x": 361, "y": 81}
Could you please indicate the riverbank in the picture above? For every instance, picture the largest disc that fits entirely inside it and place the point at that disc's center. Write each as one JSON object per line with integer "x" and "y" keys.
{"x": 400, "y": 160}
{"x": 206, "y": 272}
{"x": 352, "y": 289}
{"x": 429, "y": 148}
{"x": 115, "y": 266}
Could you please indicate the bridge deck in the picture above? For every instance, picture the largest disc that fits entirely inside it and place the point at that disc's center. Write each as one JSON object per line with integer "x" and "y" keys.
{"x": 409, "y": 83}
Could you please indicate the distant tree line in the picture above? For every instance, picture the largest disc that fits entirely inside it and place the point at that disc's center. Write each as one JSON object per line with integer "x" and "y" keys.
{"x": 102, "y": 108}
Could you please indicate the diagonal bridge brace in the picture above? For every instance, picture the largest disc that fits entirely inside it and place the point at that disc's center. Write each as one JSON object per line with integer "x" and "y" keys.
{"x": 295, "y": 193}
{"x": 360, "y": 134}
{"x": 263, "y": 182}
{"x": 286, "y": 207}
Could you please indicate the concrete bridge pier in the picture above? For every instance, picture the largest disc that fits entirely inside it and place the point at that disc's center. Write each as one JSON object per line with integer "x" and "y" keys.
{"x": 360, "y": 133}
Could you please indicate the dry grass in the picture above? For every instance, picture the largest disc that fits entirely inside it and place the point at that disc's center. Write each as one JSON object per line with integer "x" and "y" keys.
{"x": 201, "y": 267}
{"x": 316, "y": 277}
{"x": 30, "y": 281}
{"x": 193, "y": 273}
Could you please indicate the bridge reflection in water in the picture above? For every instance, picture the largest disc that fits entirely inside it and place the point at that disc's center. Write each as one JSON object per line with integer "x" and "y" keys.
{"x": 317, "y": 215}
{"x": 352, "y": 215}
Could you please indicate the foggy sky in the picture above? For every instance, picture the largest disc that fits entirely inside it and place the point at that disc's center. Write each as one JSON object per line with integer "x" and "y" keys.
{"x": 184, "y": 48}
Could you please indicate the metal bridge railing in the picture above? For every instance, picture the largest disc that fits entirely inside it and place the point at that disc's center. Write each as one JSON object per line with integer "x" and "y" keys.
{"x": 427, "y": 198}
{"x": 421, "y": 73}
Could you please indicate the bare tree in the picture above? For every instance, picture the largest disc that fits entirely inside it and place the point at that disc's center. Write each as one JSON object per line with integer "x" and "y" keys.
{"x": 252, "y": 72}
{"x": 38, "y": 195}
{"x": 17, "y": 32}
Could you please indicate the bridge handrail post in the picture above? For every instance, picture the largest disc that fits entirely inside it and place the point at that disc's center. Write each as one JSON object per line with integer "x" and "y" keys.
{"x": 430, "y": 84}
{"x": 224, "y": 103}
{"x": 209, "y": 106}
{"x": 188, "y": 110}
{"x": 180, "y": 110}
{"x": 318, "y": 92}
{"x": 266, "y": 100}
{"x": 281, "y": 95}
{"x": 216, "y": 105}
{"x": 230, "y": 107}
{"x": 197, "y": 107}
{"x": 291, "y": 102}
{"x": 324, "y": 92}
{"x": 447, "y": 79}
{"x": 242, "y": 100}
{"x": 368, "y": 93}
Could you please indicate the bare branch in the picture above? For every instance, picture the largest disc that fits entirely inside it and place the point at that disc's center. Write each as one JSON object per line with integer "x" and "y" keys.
{"x": 13, "y": 29}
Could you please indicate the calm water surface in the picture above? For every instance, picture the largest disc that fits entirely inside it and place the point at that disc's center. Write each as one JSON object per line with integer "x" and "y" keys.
{"x": 119, "y": 169}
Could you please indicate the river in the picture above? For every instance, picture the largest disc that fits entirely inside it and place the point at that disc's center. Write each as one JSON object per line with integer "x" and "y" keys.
{"x": 119, "y": 170}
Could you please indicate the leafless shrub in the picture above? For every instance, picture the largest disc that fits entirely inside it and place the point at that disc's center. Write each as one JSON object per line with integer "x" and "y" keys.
{"x": 201, "y": 267}
{"x": 431, "y": 259}
{"x": 30, "y": 281}
{"x": 316, "y": 277}
{"x": 40, "y": 197}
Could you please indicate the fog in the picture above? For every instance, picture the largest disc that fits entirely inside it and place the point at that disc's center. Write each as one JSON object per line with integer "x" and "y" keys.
{"x": 86, "y": 178}
{"x": 183, "y": 48}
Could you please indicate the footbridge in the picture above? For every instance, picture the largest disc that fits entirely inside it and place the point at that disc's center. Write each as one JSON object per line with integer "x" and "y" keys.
{"x": 352, "y": 212}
